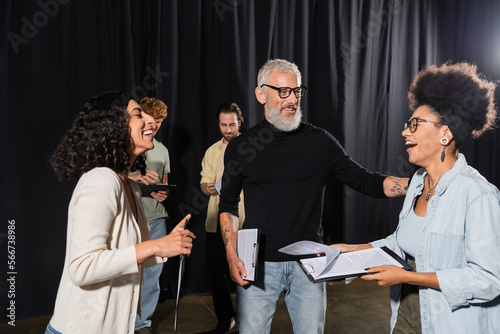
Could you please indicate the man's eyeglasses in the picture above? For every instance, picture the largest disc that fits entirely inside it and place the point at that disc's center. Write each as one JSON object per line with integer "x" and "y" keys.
{"x": 412, "y": 124}
{"x": 284, "y": 92}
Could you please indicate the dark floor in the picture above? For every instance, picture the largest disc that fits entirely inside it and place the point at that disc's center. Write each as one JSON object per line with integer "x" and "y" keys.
{"x": 356, "y": 308}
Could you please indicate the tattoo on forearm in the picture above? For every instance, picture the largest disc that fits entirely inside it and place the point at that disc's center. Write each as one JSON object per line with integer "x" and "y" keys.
{"x": 235, "y": 220}
{"x": 226, "y": 230}
{"x": 225, "y": 236}
{"x": 396, "y": 188}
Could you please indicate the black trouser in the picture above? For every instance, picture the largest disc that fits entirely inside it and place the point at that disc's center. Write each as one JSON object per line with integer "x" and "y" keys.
{"x": 220, "y": 278}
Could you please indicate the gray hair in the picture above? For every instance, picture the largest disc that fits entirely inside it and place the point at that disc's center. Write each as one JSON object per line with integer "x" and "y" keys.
{"x": 277, "y": 65}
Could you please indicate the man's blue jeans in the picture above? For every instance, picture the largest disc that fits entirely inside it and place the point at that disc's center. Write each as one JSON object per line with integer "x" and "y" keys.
{"x": 306, "y": 301}
{"x": 51, "y": 330}
{"x": 150, "y": 288}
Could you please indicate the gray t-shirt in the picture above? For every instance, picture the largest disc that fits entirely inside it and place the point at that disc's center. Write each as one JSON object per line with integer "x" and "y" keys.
{"x": 158, "y": 161}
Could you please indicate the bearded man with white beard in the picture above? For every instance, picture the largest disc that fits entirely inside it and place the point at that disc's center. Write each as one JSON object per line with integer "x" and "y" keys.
{"x": 283, "y": 164}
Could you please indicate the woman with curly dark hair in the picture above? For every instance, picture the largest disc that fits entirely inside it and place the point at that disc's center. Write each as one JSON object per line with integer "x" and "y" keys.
{"x": 108, "y": 242}
{"x": 449, "y": 226}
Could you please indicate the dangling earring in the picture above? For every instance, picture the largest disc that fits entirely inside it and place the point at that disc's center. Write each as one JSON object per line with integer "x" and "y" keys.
{"x": 444, "y": 142}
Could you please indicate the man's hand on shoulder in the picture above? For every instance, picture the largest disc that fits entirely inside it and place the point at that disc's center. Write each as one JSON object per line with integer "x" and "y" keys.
{"x": 395, "y": 186}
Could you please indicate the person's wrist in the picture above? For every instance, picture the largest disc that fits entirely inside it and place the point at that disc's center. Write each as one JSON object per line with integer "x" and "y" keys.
{"x": 231, "y": 255}
{"x": 352, "y": 248}
{"x": 155, "y": 248}
{"x": 407, "y": 277}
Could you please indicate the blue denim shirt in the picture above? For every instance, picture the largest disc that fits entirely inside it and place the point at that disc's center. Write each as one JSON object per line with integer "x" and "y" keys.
{"x": 460, "y": 242}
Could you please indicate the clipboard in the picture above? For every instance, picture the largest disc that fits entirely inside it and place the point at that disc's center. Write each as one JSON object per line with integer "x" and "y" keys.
{"x": 147, "y": 189}
{"x": 335, "y": 265}
{"x": 247, "y": 247}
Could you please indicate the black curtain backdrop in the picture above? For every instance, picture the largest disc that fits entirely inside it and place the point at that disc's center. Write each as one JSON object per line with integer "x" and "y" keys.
{"x": 357, "y": 59}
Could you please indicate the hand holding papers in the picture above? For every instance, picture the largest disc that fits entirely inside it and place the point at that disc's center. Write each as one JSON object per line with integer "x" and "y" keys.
{"x": 324, "y": 263}
{"x": 218, "y": 185}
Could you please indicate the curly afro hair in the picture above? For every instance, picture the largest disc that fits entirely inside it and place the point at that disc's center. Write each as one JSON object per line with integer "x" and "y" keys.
{"x": 459, "y": 97}
{"x": 98, "y": 137}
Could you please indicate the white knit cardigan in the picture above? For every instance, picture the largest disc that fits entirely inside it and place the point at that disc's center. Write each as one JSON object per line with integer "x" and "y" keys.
{"x": 99, "y": 290}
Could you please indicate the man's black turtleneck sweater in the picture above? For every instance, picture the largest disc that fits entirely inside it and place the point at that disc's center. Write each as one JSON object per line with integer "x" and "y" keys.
{"x": 283, "y": 175}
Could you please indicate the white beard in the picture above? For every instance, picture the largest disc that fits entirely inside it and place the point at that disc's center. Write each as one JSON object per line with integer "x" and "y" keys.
{"x": 284, "y": 123}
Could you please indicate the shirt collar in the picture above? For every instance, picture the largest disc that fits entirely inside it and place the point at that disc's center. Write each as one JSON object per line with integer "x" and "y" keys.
{"x": 220, "y": 143}
{"x": 448, "y": 177}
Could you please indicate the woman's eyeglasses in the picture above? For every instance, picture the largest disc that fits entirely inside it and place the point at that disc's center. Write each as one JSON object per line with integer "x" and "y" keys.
{"x": 412, "y": 124}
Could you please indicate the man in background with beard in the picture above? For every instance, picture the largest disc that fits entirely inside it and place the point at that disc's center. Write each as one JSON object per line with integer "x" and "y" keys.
{"x": 229, "y": 117}
{"x": 282, "y": 165}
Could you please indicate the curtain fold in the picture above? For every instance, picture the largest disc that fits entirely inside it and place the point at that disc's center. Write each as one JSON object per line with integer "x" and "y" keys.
{"x": 382, "y": 51}
{"x": 357, "y": 59}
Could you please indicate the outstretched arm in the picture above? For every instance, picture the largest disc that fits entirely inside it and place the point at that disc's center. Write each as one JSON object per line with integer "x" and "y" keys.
{"x": 392, "y": 275}
{"x": 229, "y": 228}
{"x": 344, "y": 248}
